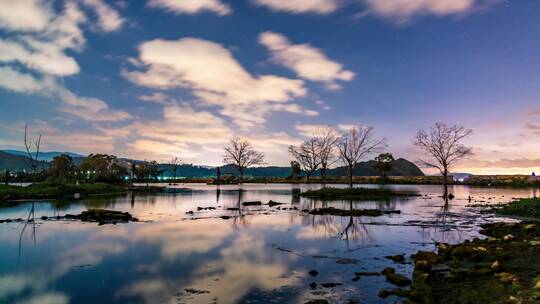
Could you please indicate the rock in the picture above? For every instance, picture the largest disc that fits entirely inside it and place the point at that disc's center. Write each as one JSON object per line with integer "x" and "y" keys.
{"x": 399, "y": 258}
{"x": 254, "y": 203}
{"x": 103, "y": 216}
{"x": 313, "y": 285}
{"x": 508, "y": 237}
{"x": 356, "y": 278}
{"x": 496, "y": 266}
{"x": 506, "y": 277}
{"x": 347, "y": 261}
{"x": 367, "y": 273}
{"x": 313, "y": 273}
{"x": 225, "y": 217}
{"x": 383, "y": 293}
{"x": 44, "y": 218}
{"x": 394, "y": 278}
{"x": 233, "y": 209}
{"x": 451, "y": 196}
{"x": 530, "y": 227}
{"x": 429, "y": 256}
{"x": 196, "y": 291}
{"x": 422, "y": 266}
{"x": 272, "y": 203}
{"x": 388, "y": 270}
{"x": 317, "y": 301}
{"x": 537, "y": 284}
{"x": 330, "y": 285}
{"x": 442, "y": 247}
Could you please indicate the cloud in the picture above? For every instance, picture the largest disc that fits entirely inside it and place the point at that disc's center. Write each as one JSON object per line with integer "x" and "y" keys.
{"x": 46, "y": 59}
{"x": 301, "y": 6}
{"x": 24, "y": 15}
{"x": 108, "y": 18}
{"x": 16, "y": 81}
{"x": 534, "y": 112}
{"x": 36, "y": 55}
{"x": 182, "y": 131}
{"x": 309, "y": 129}
{"x": 156, "y": 97}
{"x": 404, "y": 10}
{"x": 63, "y": 139}
{"x": 192, "y": 6}
{"x": 89, "y": 108}
{"x": 502, "y": 163}
{"x": 214, "y": 76}
{"x": 305, "y": 60}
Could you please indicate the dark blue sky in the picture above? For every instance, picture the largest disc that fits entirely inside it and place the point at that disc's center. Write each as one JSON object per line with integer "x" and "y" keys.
{"x": 153, "y": 79}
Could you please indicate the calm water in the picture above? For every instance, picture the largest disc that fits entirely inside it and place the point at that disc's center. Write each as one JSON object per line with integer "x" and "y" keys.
{"x": 259, "y": 255}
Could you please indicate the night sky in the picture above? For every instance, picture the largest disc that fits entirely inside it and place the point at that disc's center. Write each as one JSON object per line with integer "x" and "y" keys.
{"x": 162, "y": 78}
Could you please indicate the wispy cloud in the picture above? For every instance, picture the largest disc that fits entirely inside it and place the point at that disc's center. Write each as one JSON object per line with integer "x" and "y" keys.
{"x": 215, "y": 77}
{"x": 41, "y": 48}
{"x": 192, "y": 6}
{"x": 305, "y": 60}
{"x": 301, "y": 6}
{"x": 109, "y": 20}
{"x": 403, "y": 10}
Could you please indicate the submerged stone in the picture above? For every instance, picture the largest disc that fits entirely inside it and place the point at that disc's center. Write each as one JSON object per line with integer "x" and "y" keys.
{"x": 398, "y": 258}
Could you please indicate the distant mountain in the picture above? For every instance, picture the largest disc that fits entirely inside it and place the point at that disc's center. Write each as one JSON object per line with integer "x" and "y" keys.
{"x": 400, "y": 167}
{"x": 45, "y": 156}
{"x": 16, "y": 163}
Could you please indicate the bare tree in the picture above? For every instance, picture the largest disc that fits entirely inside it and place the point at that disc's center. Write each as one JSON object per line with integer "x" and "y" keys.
{"x": 241, "y": 154}
{"x": 442, "y": 146}
{"x": 307, "y": 155}
{"x": 174, "y": 165}
{"x": 327, "y": 139}
{"x": 357, "y": 144}
{"x": 33, "y": 157}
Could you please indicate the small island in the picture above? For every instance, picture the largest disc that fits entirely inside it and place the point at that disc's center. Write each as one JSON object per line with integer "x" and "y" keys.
{"x": 329, "y": 193}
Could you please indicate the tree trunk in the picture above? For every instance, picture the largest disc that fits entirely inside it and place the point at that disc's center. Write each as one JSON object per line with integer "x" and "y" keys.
{"x": 308, "y": 175}
{"x": 350, "y": 172}
{"x": 323, "y": 176}
{"x": 241, "y": 175}
{"x": 445, "y": 176}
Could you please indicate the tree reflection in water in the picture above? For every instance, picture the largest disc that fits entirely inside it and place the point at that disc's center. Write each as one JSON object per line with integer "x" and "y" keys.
{"x": 29, "y": 220}
{"x": 351, "y": 229}
{"x": 445, "y": 224}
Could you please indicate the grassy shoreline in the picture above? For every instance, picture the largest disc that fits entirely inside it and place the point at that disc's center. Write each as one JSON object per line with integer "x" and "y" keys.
{"x": 529, "y": 207}
{"x": 355, "y": 193}
{"x": 56, "y": 191}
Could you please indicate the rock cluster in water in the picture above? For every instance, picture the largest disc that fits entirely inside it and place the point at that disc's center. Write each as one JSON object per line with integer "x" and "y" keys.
{"x": 502, "y": 268}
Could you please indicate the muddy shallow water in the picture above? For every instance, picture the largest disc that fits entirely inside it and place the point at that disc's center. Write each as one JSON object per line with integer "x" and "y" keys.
{"x": 257, "y": 255}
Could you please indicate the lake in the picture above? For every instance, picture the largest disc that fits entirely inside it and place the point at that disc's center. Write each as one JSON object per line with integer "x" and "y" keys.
{"x": 257, "y": 254}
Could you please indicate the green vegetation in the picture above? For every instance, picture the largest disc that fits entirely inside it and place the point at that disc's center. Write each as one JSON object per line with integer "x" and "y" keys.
{"x": 351, "y": 212}
{"x": 500, "y": 269}
{"x": 52, "y": 191}
{"x": 354, "y": 193}
{"x": 529, "y": 207}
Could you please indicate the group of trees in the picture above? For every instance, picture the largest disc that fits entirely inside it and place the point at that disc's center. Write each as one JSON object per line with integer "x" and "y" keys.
{"x": 326, "y": 147}
{"x": 100, "y": 168}
{"x": 441, "y": 146}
